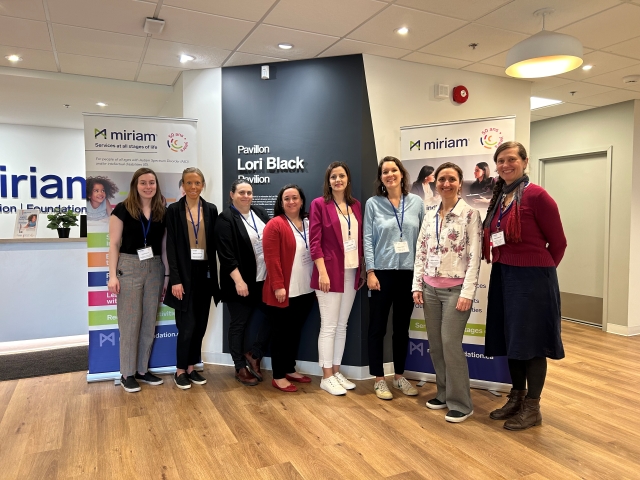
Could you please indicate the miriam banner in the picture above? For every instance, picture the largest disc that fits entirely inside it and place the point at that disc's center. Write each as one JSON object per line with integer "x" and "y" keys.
{"x": 115, "y": 147}
{"x": 469, "y": 144}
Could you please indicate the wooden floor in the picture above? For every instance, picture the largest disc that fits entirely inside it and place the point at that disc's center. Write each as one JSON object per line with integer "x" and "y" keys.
{"x": 62, "y": 427}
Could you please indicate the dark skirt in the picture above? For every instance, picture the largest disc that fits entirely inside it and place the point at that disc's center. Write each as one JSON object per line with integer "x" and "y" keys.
{"x": 523, "y": 313}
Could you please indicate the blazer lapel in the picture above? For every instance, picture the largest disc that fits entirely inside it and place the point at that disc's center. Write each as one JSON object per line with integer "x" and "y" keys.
{"x": 237, "y": 217}
{"x": 183, "y": 218}
{"x": 335, "y": 222}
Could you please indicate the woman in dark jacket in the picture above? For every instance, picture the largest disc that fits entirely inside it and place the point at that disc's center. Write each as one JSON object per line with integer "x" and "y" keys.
{"x": 193, "y": 277}
{"x": 242, "y": 273}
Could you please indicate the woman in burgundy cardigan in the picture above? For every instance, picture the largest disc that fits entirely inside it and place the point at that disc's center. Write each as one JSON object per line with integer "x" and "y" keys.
{"x": 335, "y": 226}
{"x": 524, "y": 239}
{"x": 287, "y": 290}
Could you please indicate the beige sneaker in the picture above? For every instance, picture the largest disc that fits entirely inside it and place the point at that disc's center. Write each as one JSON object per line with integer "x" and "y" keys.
{"x": 346, "y": 384}
{"x": 404, "y": 385}
{"x": 382, "y": 390}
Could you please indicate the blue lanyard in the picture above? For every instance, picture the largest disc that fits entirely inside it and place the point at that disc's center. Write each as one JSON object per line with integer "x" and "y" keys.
{"x": 347, "y": 218}
{"x": 437, "y": 220}
{"x": 145, "y": 230}
{"x": 255, "y": 226}
{"x": 302, "y": 234}
{"x": 195, "y": 229}
{"x": 400, "y": 223}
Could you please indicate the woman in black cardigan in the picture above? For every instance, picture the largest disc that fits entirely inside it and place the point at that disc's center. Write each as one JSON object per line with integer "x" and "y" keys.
{"x": 193, "y": 277}
{"x": 242, "y": 273}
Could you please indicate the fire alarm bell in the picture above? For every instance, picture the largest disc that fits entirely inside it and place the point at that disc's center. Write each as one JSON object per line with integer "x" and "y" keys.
{"x": 460, "y": 94}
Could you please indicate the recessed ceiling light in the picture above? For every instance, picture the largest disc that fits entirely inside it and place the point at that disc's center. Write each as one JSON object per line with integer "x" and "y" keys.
{"x": 285, "y": 46}
{"x": 402, "y": 30}
{"x": 186, "y": 58}
{"x": 587, "y": 67}
{"x": 101, "y": 104}
{"x": 13, "y": 58}
{"x": 539, "y": 102}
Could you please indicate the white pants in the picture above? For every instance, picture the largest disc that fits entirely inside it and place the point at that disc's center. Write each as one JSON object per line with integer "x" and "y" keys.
{"x": 334, "y": 314}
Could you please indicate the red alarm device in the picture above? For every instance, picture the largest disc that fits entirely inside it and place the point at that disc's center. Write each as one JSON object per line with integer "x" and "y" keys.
{"x": 460, "y": 94}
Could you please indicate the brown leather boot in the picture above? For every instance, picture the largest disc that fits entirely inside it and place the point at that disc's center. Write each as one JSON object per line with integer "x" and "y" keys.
{"x": 245, "y": 377}
{"x": 528, "y": 416}
{"x": 253, "y": 364}
{"x": 512, "y": 407}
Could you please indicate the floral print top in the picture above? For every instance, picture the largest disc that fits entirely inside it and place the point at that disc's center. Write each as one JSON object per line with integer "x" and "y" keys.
{"x": 460, "y": 248}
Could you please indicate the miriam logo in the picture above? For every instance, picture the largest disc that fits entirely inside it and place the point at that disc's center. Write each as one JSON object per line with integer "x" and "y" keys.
{"x": 111, "y": 338}
{"x": 414, "y": 144}
{"x": 177, "y": 142}
{"x": 437, "y": 144}
{"x": 124, "y": 135}
{"x": 416, "y": 346}
{"x": 491, "y": 138}
{"x": 100, "y": 133}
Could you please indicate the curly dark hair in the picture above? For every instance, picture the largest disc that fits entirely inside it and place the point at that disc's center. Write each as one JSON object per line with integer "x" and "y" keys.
{"x": 110, "y": 188}
{"x": 278, "y": 208}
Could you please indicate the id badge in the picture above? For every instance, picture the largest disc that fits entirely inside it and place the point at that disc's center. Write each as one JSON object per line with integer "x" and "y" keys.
{"x": 257, "y": 248}
{"x": 401, "y": 247}
{"x": 350, "y": 246}
{"x": 434, "y": 261}
{"x": 197, "y": 254}
{"x": 497, "y": 239}
{"x": 306, "y": 258}
{"x": 145, "y": 253}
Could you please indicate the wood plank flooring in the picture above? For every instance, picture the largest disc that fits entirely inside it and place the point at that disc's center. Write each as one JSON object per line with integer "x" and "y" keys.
{"x": 61, "y": 427}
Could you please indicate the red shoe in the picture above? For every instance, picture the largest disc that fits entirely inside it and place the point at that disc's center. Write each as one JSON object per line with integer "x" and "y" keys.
{"x": 302, "y": 379}
{"x": 288, "y": 388}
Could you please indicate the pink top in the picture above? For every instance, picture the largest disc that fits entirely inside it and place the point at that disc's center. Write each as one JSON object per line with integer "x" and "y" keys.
{"x": 442, "y": 282}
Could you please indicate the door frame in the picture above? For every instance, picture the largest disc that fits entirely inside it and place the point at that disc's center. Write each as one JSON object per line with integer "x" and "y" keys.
{"x": 608, "y": 151}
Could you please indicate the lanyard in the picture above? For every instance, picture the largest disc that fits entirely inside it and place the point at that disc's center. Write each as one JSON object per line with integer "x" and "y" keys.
{"x": 302, "y": 234}
{"x": 347, "y": 218}
{"x": 195, "y": 229}
{"x": 400, "y": 223}
{"x": 438, "y": 219}
{"x": 255, "y": 226}
{"x": 145, "y": 230}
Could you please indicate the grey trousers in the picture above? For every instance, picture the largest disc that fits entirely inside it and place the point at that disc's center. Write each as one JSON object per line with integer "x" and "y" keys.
{"x": 445, "y": 329}
{"x": 140, "y": 289}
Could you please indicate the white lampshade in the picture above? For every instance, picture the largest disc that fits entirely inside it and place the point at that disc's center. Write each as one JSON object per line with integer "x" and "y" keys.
{"x": 543, "y": 55}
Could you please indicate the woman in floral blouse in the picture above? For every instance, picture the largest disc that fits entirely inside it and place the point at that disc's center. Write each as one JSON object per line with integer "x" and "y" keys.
{"x": 445, "y": 278}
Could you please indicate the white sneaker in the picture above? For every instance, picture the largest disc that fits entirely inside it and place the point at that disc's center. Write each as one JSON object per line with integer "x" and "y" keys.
{"x": 382, "y": 390}
{"x": 404, "y": 385}
{"x": 342, "y": 380}
{"x": 332, "y": 386}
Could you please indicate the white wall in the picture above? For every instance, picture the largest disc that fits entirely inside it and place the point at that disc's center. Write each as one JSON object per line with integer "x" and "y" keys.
{"x": 634, "y": 227}
{"x": 173, "y": 106}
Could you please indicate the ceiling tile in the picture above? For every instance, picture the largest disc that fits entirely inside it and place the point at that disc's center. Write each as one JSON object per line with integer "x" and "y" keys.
{"x": 614, "y": 79}
{"x": 609, "y": 98}
{"x": 97, "y": 43}
{"x": 121, "y": 16}
{"x": 537, "y": 118}
{"x": 464, "y": 9}
{"x": 31, "y": 59}
{"x": 31, "y": 9}
{"x": 630, "y": 48}
{"x": 243, "y": 9}
{"x": 265, "y": 39}
{"x": 168, "y": 54}
{"x": 158, "y": 74}
{"x": 602, "y": 63}
{"x": 487, "y": 70}
{"x": 607, "y": 28}
{"x": 490, "y": 42}
{"x": 423, "y": 28}
{"x": 240, "y": 58}
{"x": 518, "y": 16}
{"x": 581, "y": 89}
{"x": 499, "y": 60}
{"x": 539, "y": 85}
{"x": 562, "y": 109}
{"x": 329, "y": 17}
{"x": 349, "y": 47}
{"x": 18, "y": 32}
{"x": 435, "y": 60}
{"x": 97, "y": 67}
{"x": 186, "y": 26}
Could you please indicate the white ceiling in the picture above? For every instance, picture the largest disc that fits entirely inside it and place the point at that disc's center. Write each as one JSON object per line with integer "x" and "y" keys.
{"x": 100, "y": 38}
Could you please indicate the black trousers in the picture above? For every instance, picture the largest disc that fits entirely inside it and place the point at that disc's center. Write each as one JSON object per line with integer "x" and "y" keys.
{"x": 286, "y": 325}
{"x": 240, "y": 315}
{"x": 395, "y": 290}
{"x": 192, "y": 324}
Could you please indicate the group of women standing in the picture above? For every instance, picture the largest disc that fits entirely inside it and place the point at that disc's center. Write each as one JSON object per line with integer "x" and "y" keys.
{"x": 282, "y": 265}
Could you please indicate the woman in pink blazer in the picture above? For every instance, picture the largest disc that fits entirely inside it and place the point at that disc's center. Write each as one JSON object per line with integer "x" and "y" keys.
{"x": 335, "y": 231}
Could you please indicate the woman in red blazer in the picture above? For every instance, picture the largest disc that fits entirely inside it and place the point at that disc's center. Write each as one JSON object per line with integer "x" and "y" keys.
{"x": 287, "y": 290}
{"x": 335, "y": 227}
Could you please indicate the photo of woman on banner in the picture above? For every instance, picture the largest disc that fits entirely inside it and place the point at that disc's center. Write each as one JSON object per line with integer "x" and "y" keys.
{"x": 193, "y": 273}
{"x": 445, "y": 278}
{"x": 525, "y": 242}
{"x": 239, "y": 233}
{"x": 99, "y": 190}
{"x": 32, "y": 222}
{"x": 138, "y": 274}
{"x": 392, "y": 223}
{"x": 287, "y": 291}
{"x": 335, "y": 229}
{"x": 481, "y": 190}
{"x": 424, "y": 186}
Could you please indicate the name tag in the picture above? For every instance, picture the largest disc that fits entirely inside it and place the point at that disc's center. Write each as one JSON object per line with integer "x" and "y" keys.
{"x": 350, "y": 246}
{"x": 497, "y": 239}
{"x": 401, "y": 247}
{"x": 197, "y": 254}
{"x": 434, "y": 261}
{"x": 145, "y": 253}
{"x": 306, "y": 258}
{"x": 257, "y": 248}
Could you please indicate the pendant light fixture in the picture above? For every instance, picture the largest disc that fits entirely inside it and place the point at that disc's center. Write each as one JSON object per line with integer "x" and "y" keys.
{"x": 544, "y": 54}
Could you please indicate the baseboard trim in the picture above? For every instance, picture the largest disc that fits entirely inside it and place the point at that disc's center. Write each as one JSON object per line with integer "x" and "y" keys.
{"x": 39, "y": 344}
{"x": 623, "y": 330}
